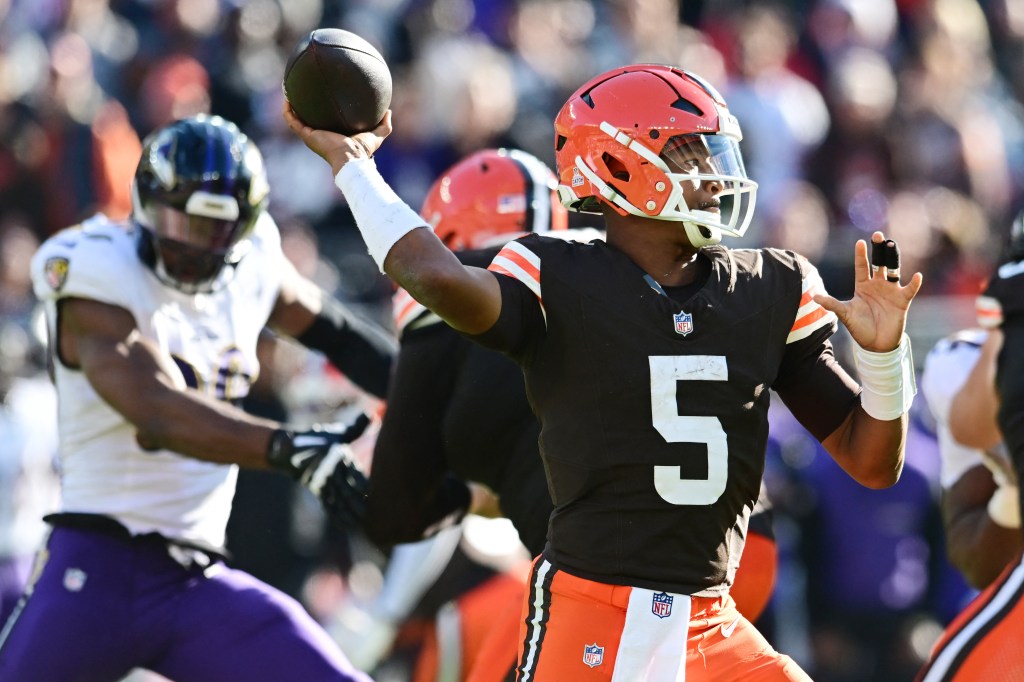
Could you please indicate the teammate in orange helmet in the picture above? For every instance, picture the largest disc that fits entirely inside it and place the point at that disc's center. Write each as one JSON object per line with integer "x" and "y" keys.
{"x": 648, "y": 359}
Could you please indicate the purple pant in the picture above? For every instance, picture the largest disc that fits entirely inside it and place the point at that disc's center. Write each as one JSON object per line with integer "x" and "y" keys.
{"x": 103, "y": 605}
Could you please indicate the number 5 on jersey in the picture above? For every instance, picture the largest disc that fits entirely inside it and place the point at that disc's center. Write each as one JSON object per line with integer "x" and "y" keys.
{"x": 666, "y": 371}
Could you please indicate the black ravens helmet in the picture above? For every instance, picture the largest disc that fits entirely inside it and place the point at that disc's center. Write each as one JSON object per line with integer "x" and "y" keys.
{"x": 198, "y": 191}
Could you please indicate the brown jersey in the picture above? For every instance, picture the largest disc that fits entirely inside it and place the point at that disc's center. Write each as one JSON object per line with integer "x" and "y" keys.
{"x": 1002, "y": 305}
{"x": 654, "y": 411}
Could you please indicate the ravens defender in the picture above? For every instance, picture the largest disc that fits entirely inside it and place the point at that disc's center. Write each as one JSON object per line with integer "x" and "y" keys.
{"x": 153, "y": 327}
{"x": 648, "y": 359}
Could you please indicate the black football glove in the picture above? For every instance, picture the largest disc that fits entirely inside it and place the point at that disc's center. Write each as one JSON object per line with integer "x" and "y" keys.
{"x": 321, "y": 460}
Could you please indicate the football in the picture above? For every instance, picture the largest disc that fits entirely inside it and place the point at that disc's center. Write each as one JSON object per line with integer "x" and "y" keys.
{"x": 337, "y": 81}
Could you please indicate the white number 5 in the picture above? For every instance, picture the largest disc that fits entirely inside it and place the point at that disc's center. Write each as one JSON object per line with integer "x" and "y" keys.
{"x": 677, "y": 428}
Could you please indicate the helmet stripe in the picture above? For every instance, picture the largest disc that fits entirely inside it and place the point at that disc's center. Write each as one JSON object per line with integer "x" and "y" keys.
{"x": 230, "y": 162}
{"x": 538, "y": 192}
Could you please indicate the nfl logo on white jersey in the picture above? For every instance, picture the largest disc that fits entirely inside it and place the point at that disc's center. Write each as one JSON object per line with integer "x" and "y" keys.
{"x": 683, "y": 322}
{"x": 593, "y": 655}
{"x": 661, "y": 605}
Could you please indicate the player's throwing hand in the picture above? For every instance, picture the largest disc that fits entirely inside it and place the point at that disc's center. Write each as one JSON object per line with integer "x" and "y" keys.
{"x": 335, "y": 148}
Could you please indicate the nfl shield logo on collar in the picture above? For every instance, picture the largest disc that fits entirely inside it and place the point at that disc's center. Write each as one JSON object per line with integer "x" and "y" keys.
{"x": 593, "y": 655}
{"x": 661, "y": 605}
{"x": 683, "y": 322}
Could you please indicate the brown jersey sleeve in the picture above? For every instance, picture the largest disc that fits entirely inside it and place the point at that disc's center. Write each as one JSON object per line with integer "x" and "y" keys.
{"x": 519, "y": 327}
{"x": 814, "y": 386}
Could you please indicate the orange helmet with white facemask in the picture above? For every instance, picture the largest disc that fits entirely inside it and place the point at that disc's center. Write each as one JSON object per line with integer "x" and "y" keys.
{"x": 491, "y": 197}
{"x": 632, "y": 137}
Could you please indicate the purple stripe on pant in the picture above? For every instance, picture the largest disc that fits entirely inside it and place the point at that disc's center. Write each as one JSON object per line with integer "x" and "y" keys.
{"x": 103, "y": 605}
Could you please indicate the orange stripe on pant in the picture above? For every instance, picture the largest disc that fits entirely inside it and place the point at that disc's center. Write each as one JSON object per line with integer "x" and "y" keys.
{"x": 572, "y": 630}
{"x": 488, "y": 618}
{"x": 984, "y": 641}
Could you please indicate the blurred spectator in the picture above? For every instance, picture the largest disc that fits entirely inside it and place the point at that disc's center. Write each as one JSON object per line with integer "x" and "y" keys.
{"x": 853, "y": 165}
{"x": 29, "y": 485}
{"x": 784, "y": 116}
{"x": 175, "y": 87}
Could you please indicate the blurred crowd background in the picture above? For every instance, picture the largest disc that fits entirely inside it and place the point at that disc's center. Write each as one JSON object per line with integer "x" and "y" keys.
{"x": 902, "y": 115}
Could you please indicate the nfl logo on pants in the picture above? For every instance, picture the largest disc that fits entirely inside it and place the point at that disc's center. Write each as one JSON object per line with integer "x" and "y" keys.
{"x": 661, "y": 605}
{"x": 593, "y": 654}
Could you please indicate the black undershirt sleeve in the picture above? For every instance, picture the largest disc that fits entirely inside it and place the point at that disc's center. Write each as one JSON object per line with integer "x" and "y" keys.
{"x": 361, "y": 350}
{"x": 411, "y": 490}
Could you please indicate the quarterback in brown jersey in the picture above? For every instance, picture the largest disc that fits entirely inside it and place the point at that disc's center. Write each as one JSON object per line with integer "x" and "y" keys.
{"x": 648, "y": 359}
{"x": 458, "y": 412}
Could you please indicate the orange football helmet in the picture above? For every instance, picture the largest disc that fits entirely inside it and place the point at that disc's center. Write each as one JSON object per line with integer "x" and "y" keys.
{"x": 632, "y": 136}
{"x": 491, "y": 197}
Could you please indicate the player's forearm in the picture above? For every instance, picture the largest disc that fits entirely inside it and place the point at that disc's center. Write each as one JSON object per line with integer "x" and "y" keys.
{"x": 869, "y": 444}
{"x": 357, "y": 347}
{"x": 146, "y": 387}
{"x": 468, "y": 299}
{"x": 194, "y": 425}
{"x": 871, "y": 451}
{"x": 979, "y": 547}
{"x": 362, "y": 350}
{"x": 972, "y": 414}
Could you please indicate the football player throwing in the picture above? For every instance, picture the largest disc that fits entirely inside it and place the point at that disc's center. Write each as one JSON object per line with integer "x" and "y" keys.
{"x": 648, "y": 359}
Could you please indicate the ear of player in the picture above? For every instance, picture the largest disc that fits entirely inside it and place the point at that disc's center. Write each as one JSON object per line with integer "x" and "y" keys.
{"x": 322, "y": 460}
{"x": 886, "y": 254}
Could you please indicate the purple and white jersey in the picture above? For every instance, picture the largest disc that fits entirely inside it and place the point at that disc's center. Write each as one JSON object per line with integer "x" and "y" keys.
{"x": 212, "y": 339}
{"x": 945, "y": 370}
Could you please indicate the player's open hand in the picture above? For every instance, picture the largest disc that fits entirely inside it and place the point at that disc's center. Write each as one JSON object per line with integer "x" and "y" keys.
{"x": 335, "y": 148}
{"x": 877, "y": 314}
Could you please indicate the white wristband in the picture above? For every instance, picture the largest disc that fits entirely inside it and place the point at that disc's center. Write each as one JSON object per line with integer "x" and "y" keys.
{"x": 887, "y": 380}
{"x": 1004, "y": 506}
{"x": 382, "y": 217}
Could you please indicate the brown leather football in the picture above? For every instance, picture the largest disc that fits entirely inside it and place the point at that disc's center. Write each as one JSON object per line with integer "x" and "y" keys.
{"x": 337, "y": 81}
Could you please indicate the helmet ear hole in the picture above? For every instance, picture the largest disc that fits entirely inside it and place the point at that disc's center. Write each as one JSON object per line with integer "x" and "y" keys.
{"x": 616, "y": 168}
